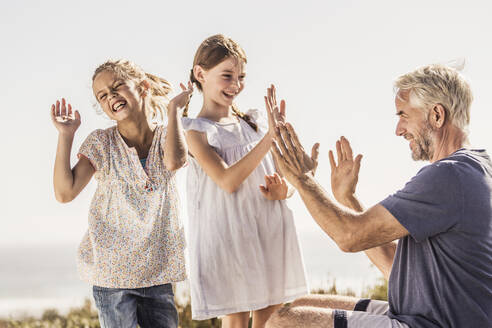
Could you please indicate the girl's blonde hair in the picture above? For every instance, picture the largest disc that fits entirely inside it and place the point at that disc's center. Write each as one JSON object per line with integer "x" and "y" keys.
{"x": 127, "y": 70}
{"x": 213, "y": 51}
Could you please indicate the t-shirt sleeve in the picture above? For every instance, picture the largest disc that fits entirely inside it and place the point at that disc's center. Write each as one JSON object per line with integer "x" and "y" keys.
{"x": 94, "y": 149}
{"x": 430, "y": 203}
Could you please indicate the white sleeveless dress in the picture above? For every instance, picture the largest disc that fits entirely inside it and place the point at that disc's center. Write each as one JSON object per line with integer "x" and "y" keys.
{"x": 244, "y": 251}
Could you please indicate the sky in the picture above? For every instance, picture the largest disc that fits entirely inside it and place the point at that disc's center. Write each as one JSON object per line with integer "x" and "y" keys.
{"x": 333, "y": 62}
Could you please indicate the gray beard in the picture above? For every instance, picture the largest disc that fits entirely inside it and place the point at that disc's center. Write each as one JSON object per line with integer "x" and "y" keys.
{"x": 424, "y": 151}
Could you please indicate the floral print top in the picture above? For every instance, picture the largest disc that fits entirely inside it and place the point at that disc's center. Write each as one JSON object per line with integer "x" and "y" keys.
{"x": 135, "y": 237}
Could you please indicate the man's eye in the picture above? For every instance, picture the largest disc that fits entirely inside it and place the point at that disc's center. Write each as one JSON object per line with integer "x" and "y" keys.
{"x": 226, "y": 76}
{"x": 118, "y": 85}
{"x": 103, "y": 97}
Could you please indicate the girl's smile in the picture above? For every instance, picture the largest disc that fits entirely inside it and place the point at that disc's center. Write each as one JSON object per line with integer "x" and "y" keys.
{"x": 117, "y": 97}
{"x": 224, "y": 82}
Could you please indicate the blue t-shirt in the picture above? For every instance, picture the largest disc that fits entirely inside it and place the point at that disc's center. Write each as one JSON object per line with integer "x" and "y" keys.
{"x": 442, "y": 271}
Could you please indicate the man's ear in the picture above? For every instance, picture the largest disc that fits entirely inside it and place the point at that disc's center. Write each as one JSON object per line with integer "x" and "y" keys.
{"x": 199, "y": 73}
{"x": 437, "y": 116}
{"x": 144, "y": 88}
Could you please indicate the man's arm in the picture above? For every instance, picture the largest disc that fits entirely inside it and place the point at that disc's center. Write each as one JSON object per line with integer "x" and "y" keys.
{"x": 344, "y": 178}
{"x": 351, "y": 231}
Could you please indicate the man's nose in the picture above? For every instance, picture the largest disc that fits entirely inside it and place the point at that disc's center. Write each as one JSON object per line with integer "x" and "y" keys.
{"x": 400, "y": 129}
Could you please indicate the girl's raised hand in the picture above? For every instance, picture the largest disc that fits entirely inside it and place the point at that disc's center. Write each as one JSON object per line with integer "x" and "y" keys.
{"x": 276, "y": 114}
{"x": 275, "y": 187}
{"x": 65, "y": 120}
{"x": 181, "y": 101}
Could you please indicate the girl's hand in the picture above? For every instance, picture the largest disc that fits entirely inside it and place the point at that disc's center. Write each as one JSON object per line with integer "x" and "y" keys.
{"x": 275, "y": 113}
{"x": 65, "y": 121}
{"x": 345, "y": 175}
{"x": 275, "y": 187}
{"x": 180, "y": 101}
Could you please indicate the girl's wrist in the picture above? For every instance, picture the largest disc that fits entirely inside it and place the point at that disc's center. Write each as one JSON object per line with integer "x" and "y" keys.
{"x": 66, "y": 135}
{"x": 172, "y": 109}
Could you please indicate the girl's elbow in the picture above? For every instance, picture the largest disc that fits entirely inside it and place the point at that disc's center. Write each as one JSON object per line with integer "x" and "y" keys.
{"x": 229, "y": 186}
{"x": 175, "y": 165}
{"x": 63, "y": 197}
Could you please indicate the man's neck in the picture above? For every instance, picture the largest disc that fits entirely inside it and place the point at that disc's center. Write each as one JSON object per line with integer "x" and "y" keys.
{"x": 448, "y": 141}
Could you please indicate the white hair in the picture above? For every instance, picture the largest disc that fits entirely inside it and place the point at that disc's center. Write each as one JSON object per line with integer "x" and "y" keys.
{"x": 438, "y": 84}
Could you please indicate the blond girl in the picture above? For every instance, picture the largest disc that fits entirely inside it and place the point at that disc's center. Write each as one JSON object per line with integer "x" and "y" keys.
{"x": 133, "y": 249}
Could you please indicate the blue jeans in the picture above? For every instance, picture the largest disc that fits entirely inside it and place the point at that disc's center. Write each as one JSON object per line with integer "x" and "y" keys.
{"x": 124, "y": 308}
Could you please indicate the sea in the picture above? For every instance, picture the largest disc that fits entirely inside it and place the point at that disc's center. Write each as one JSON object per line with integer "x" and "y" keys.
{"x": 34, "y": 278}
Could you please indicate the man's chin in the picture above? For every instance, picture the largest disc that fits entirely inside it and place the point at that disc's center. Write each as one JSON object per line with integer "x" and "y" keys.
{"x": 420, "y": 156}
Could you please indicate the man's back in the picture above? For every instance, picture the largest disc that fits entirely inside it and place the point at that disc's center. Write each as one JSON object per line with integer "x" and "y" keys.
{"x": 442, "y": 272}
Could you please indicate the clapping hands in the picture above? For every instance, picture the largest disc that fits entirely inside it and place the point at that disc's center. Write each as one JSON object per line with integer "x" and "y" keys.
{"x": 289, "y": 154}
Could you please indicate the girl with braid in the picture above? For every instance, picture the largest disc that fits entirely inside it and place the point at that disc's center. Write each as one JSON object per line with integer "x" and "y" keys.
{"x": 244, "y": 252}
{"x": 134, "y": 247}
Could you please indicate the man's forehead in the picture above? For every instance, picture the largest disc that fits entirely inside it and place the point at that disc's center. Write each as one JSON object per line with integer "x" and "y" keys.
{"x": 402, "y": 99}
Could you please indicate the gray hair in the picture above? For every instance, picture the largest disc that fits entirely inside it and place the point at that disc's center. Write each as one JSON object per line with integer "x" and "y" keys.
{"x": 438, "y": 84}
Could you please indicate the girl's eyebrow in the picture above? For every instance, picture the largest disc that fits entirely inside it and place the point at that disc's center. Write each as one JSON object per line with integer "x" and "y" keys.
{"x": 112, "y": 85}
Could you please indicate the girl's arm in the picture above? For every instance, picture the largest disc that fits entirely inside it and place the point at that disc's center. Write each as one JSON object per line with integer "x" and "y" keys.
{"x": 68, "y": 182}
{"x": 229, "y": 178}
{"x": 175, "y": 148}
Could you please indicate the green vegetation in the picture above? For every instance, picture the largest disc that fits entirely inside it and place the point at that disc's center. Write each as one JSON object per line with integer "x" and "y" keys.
{"x": 86, "y": 316}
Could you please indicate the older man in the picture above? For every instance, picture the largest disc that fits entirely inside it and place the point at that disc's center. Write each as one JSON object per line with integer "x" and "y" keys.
{"x": 440, "y": 272}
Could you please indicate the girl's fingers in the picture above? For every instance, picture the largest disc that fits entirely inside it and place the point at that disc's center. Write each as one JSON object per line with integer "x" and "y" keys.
{"x": 183, "y": 88}
{"x": 269, "y": 112}
{"x": 263, "y": 190}
{"x": 63, "y": 108}
{"x": 52, "y": 113}
{"x": 69, "y": 111}
{"x": 270, "y": 101}
{"x": 77, "y": 115}
{"x": 57, "y": 110}
{"x": 276, "y": 178}
{"x": 274, "y": 95}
